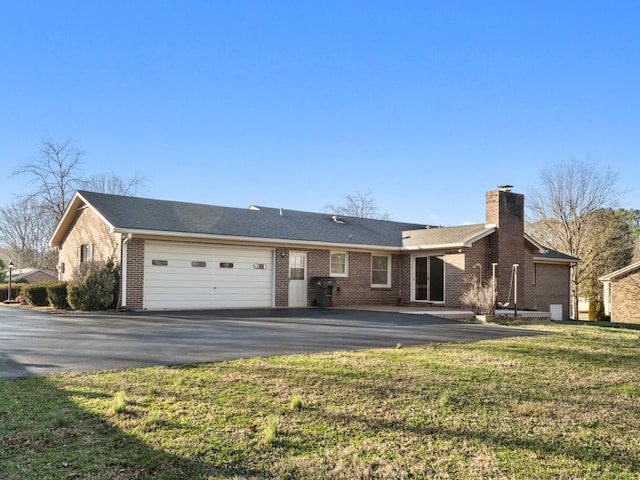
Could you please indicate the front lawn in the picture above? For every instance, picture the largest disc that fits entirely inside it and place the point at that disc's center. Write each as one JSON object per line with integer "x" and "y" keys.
{"x": 559, "y": 406}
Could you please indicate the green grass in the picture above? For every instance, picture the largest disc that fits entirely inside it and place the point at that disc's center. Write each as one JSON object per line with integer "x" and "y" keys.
{"x": 559, "y": 406}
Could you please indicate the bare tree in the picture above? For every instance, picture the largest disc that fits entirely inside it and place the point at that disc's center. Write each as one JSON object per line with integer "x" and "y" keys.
{"x": 111, "y": 183}
{"x": 27, "y": 224}
{"x": 55, "y": 174}
{"x": 358, "y": 205}
{"x": 563, "y": 206}
{"x": 25, "y": 227}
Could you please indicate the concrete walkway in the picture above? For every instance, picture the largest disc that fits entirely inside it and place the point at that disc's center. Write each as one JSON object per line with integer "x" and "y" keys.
{"x": 443, "y": 312}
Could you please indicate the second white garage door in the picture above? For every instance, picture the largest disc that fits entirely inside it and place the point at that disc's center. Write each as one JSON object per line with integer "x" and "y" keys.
{"x": 191, "y": 276}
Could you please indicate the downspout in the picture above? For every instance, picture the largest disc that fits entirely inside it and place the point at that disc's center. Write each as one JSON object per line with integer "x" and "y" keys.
{"x": 123, "y": 279}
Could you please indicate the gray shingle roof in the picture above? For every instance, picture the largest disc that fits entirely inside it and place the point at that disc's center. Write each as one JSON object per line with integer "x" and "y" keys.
{"x": 555, "y": 256}
{"x": 134, "y": 213}
{"x": 445, "y": 235}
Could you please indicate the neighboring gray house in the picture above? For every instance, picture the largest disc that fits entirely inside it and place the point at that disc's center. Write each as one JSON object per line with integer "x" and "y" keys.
{"x": 31, "y": 275}
{"x": 177, "y": 255}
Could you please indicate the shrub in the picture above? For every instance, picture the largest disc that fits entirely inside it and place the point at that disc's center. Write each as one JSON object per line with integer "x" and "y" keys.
{"x": 35, "y": 294}
{"x": 96, "y": 289}
{"x": 16, "y": 290}
{"x": 596, "y": 310}
{"x": 57, "y": 294}
{"x": 480, "y": 296}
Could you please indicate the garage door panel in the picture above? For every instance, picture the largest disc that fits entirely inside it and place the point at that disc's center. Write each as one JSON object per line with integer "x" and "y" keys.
{"x": 171, "y": 291}
{"x": 248, "y": 281}
{"x": 192, "y": 300}
{"x": 206, "y": 276}
{"x": 179, "y": 304}
{"x": 184, "y": 284}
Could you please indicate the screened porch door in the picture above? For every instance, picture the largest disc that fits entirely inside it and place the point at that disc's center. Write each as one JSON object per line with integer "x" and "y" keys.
{"x": 428, "y": 279}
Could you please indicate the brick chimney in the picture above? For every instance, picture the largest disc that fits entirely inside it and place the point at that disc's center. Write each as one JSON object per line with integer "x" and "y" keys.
{"x": 505, "y": 210}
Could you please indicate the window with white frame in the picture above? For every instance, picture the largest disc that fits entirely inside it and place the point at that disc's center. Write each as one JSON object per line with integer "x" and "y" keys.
{"x": 85, "y": 253}
{"x": 339, "y": 264}
{"x": 380, "y": 270}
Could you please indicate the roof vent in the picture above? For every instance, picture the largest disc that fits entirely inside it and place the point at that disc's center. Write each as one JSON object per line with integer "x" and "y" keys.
{"x": 337, "y": 219}
{"x": 254, "y": 207}
{"x": 281, "y": 212}
{"x": 505, "y": 188}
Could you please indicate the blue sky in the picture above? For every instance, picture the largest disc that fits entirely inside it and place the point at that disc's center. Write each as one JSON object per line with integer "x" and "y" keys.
{"x": 296, "y": 104}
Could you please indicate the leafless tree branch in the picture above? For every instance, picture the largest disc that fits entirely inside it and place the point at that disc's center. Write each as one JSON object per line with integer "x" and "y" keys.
{"x": 113, "y": 184}
{"x": 54, "y": 174}
{"x": 562, "y": 209}
{"x": 360, "y": 205}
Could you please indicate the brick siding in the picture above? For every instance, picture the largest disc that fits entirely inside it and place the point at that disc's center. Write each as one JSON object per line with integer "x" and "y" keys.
{"x": 455, "y": 272}
{"x": 87, "y": 229}
{"x": 551, "y": 286}
{"x": 624, "y": 299}
{"x": 135, "y": 273}
{"x": 354, "y": 289}
{"x": 282, "y": 277}
{"x": 506, "y": 211}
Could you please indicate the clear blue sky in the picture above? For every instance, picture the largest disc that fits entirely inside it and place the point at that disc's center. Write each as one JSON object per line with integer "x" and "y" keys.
{"x": 295, "y": 104}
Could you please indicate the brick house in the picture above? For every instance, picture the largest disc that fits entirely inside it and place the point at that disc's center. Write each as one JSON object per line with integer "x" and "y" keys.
{"x": 176, "y": 255}
{"x": 621, "y": 293}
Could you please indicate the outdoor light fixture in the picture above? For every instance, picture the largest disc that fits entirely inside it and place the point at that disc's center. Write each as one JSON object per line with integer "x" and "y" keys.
{"x": 9, "y": 289}
{"x": 284, "y": 254}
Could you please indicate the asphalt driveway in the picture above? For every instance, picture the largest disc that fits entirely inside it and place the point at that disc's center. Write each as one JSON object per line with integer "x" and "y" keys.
{"x": 35, "y": 343}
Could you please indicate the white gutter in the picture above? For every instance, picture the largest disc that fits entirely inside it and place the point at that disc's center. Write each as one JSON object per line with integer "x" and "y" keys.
{"x": 275, "y": 242}
{"x": 282, "y": 242}
{"x": 123, "y": 279}
{"x": 629, "y": 268}
{"x": 440, "y": 246}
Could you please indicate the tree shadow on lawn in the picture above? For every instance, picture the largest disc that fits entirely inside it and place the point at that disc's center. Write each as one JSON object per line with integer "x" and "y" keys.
{"x": 45, "y": 434}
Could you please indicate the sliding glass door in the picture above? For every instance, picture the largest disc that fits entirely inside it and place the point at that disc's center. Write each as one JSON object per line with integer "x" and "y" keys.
{"x": 428, "y": 279}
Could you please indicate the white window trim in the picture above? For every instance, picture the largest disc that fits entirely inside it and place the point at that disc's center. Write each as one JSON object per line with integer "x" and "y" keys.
{"x": 381, "y": 285}
{"x": 88, "y": 249}
{"x": 346, "y": 264}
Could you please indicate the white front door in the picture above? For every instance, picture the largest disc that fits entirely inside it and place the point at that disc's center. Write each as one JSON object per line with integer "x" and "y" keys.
{"x": 297, "y": 279}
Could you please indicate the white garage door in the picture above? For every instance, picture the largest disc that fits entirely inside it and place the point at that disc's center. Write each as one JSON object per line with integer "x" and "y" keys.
{"x": 190, "y": 276}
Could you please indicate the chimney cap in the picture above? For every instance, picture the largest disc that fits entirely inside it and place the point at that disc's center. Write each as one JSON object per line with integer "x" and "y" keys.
{"x": 505, "y": 188}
